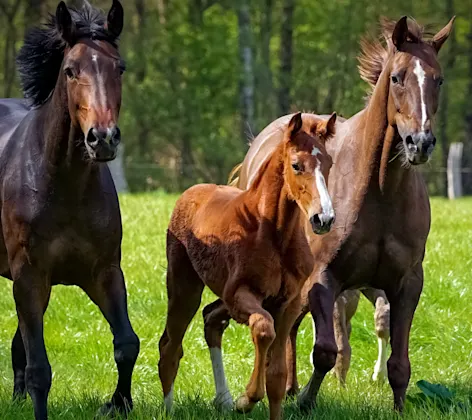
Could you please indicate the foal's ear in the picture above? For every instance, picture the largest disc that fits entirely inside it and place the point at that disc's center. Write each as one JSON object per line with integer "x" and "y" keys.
{"x": 441, "y": 37}
{"x": 326, "y": 129}
{"x": 400, "y": 33}
{"x": 64, "y": 23}
{"x": 115, "y": 19}
{"x": 294, "y": 126}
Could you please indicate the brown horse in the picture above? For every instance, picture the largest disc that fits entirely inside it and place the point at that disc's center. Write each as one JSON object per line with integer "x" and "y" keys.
{"x": 250, "y": 248}
{"x": 382, "y": 205}
{"x": 61, "y": 220}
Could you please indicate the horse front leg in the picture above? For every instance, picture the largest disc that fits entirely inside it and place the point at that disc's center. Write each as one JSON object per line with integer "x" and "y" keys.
{"x": 216, "y": 318}
{"x": 246, "y": 308}
{"x": 31, "y": 292}
{"x": 321, "y": 300}
{"x": 18, "y": 361}
{"x": 403, "y": 304}
{"x": 276, "y": 375}
{"x": 108, "y": 292}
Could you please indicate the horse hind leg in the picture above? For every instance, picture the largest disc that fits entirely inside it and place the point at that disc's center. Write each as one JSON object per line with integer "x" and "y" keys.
{"x": 184, "y": 290}
{"x": 216, "y": 318}
{"x": 382, "y": 330}
{"x": 292, "y": 386}
{"x": 344, "y": 309}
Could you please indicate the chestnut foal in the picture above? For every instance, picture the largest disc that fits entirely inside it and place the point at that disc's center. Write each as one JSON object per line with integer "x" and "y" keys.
{"x": 250, "y": 248}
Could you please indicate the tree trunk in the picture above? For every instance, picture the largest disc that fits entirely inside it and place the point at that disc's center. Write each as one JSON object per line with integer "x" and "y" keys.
{"x": 9, "y": 69}
{"x": 468, "y": 117}
{"x": 286, "y": 56}
{"x": 444, "y": 98}
{"x": 247, "y": 70}
{"x": 33, "y": 13}
{"x": 264, "y": 100}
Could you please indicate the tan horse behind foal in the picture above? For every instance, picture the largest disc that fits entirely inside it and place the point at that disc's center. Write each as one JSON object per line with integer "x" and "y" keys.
{"x": 250, "y": 248}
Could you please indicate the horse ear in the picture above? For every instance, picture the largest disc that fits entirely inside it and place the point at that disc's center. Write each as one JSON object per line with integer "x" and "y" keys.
{"x": 400, "y": 33}
{"x": 295, "y": 125}
{"x": 325, "y": 129}
{"x": 64, "y": 23}
{"x": 115, "y": 19}
{"x": 441, "y": 37}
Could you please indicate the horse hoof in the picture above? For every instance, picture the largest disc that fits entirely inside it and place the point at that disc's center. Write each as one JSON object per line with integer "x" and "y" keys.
{"x": 306, "y": 403}
{"x": 223, "y": 402}
{"x": 244, "y": 404}
{"x": 379, "y": 376}
{"x": 112, "y": 410}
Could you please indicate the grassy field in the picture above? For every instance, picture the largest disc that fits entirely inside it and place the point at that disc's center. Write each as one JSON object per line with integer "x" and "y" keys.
{"x": 80, "y": 349}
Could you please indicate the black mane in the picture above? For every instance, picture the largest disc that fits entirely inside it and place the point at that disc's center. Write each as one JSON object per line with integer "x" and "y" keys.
{"x": 40, "y": 58}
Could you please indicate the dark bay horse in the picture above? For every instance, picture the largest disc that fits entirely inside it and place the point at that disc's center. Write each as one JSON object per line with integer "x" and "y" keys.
{"x": 382, "y": 205}
{"x": 61, "y": 221}
{"x": 250, "y": 248}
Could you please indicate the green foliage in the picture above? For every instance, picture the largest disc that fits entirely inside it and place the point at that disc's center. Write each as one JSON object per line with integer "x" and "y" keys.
{"x": 181, "y": 114}
{"x": 80, "y": 351}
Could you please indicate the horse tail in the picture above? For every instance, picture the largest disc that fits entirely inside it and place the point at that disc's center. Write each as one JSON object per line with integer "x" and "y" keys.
{"x": 232, "y": 178}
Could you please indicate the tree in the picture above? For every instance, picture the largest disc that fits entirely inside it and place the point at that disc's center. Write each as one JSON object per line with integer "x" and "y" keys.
{"x": 286, "y": 56}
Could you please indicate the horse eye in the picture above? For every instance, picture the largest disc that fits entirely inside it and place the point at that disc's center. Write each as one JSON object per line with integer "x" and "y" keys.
{"x": 122, "y": 70}
{"x": 440, "y": 81}
{"x": 296, "y": 167}
{"x": 69, "y": 73}
{"x": 395, "y": 79}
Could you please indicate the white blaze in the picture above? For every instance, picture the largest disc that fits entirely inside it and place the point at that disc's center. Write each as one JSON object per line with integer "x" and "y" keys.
{"x": 325, "y": 199}
{"x": 420, "y": 75}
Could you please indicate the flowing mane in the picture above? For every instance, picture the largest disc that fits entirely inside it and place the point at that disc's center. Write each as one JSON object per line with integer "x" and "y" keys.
{"x": 376, "y": 52}
{"x": 40, "y": 58}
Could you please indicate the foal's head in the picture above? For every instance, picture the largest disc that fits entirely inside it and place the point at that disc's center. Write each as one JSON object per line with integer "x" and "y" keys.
{"x": 307, "y": 166}
{"x": 77, "y": 50}
{"x": 415, "y": 81}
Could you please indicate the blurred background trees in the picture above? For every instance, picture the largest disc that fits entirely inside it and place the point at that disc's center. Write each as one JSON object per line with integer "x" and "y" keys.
{"x": 204, "y": 76}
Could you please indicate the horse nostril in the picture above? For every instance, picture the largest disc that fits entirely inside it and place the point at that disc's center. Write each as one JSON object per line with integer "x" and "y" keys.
{"x": 434, "y": 141}
{"x": 93, "y": 138}
{"x": 409, "y": 141}
{"x": 115, "y": 136}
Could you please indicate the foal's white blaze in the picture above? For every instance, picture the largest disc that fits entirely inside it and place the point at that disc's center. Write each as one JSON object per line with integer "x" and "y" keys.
{"x": 223, "y": 397}
{"x": 169, "y": 399}
{"x": 380, "y": 369}
{"x": 420, "y": 75}
{"x": 325, "y": 199}
{"x": 315, "y": 151}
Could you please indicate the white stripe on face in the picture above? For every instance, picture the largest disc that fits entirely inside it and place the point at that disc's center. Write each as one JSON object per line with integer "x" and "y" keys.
{"x": 325, "y": 199}
{"x": 420, "y": 75}
{"x": 100, "y": 90}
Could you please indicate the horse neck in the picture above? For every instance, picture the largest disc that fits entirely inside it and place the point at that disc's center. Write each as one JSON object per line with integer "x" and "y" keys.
{"x": 379, "y": 139}
{"x": 279, "y": 214}
{"x": 61, "y": 137}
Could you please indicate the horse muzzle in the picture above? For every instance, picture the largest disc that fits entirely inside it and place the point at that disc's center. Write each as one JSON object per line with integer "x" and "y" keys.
{"x": 322, "y": 223}
{"x": 102, "y": 144}
{"x": 419, "y": 147}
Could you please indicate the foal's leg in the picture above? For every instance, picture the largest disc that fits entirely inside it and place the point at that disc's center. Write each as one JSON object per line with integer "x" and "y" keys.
{"x": 246, "y": 308}
{"x": 321, "y": 299}
{"x": 108, "y": 292}
{"x": 18, "y": 359}
{"x": 403, "y": 304}
{"x": 31, "y": 292}
{"x": 216, "y": 318}
{"x": 382, "y": 329}
{"x": 276, "y": 376}
{"x": 292, "y": 386}
{"x": 184, "y": 291}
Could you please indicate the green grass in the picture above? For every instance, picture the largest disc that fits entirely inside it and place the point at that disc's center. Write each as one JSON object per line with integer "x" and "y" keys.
{"x": 80, "y": 349}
